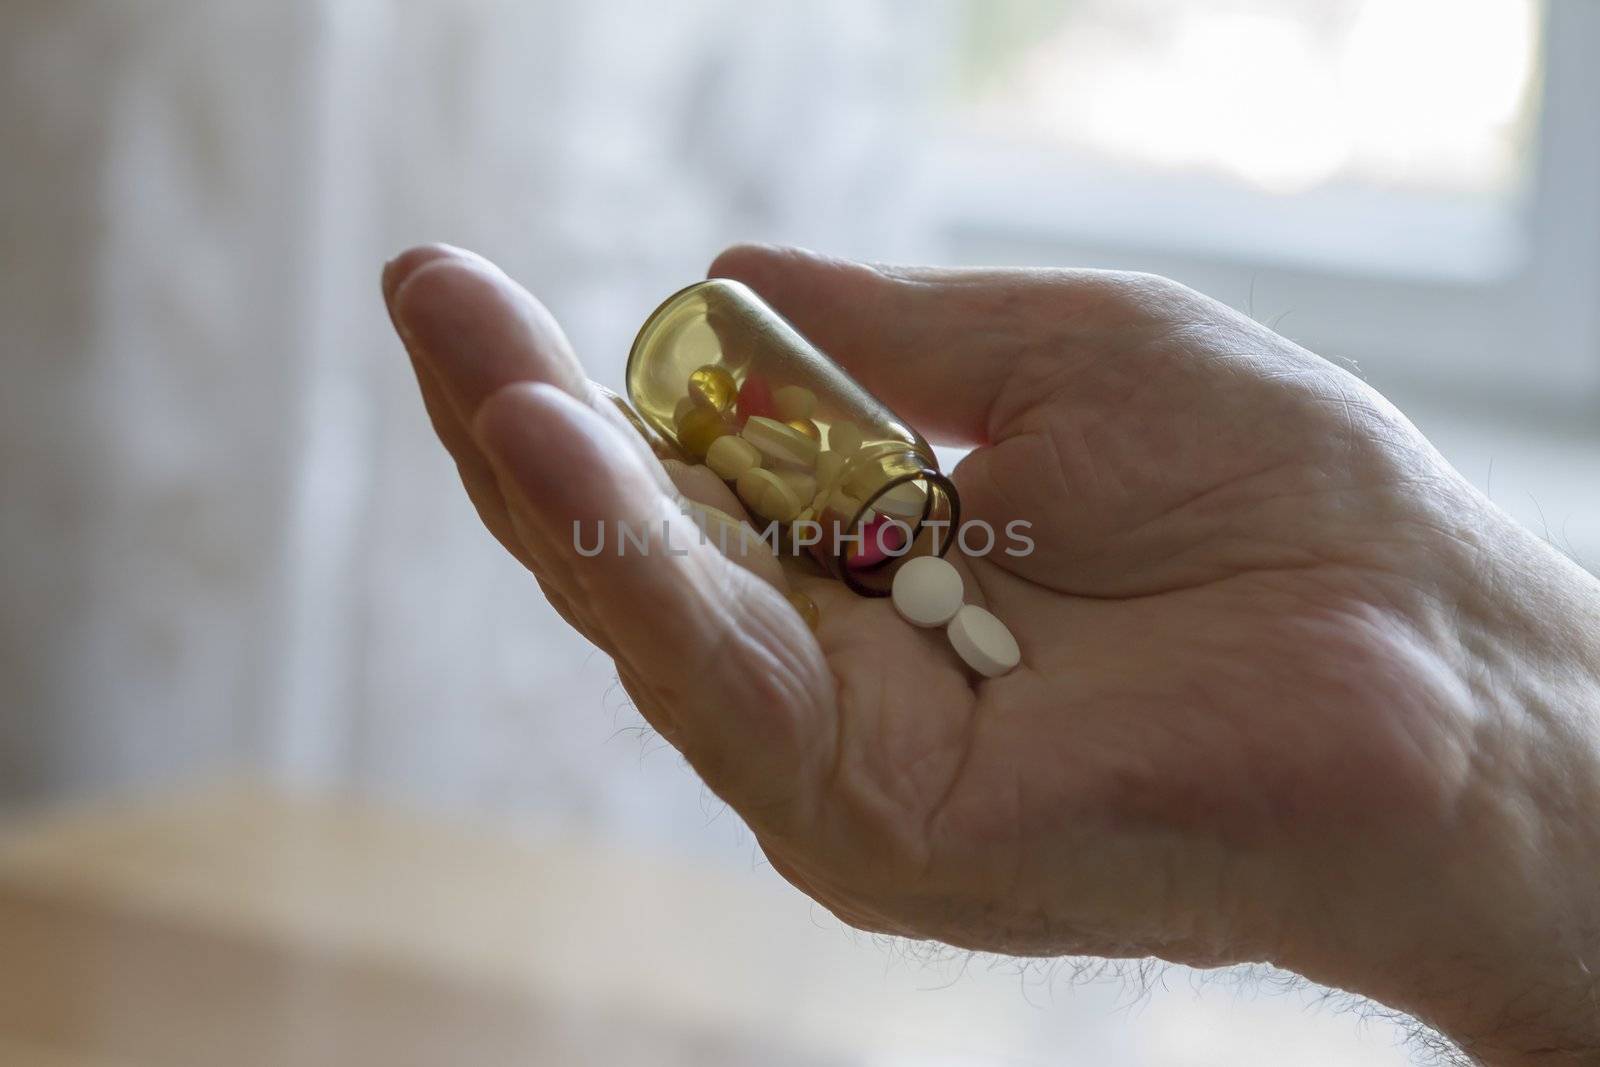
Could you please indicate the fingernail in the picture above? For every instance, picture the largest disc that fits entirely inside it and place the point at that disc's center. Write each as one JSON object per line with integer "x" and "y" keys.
{"x": 404, "y": 265}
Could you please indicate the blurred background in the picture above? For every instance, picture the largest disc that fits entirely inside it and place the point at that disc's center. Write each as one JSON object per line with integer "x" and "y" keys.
{"x": 234, "y": 550}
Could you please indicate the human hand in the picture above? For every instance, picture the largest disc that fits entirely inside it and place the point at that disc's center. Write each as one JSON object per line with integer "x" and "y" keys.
{"x": 1291, "y": 689}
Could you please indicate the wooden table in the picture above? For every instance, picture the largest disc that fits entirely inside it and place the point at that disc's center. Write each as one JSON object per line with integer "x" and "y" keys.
{"x": 251, "y": 928}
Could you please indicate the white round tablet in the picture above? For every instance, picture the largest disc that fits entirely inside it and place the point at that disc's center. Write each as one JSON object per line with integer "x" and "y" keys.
{"x": 983, "y": 641}
{"x": 927, "y": 591}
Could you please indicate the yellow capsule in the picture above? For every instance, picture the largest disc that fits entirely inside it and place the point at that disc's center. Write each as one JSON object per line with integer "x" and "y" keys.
{"x": 806, "y": 607}
{"x": 699, "y": 429}
{"x": 805, "y": 426}
{"x": 713, "y": 387}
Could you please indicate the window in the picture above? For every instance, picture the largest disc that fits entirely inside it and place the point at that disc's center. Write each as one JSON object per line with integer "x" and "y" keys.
{"x": 1417, "y": 182}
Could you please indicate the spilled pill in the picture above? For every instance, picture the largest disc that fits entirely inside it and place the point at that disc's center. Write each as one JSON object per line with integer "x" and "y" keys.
{"x": 983, "y": 642}
{"x": 927, "y": 591}
{"x": 806, "y": 607}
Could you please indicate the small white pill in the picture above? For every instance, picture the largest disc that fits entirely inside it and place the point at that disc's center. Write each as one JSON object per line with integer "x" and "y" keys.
{"x": 780, "y": 443}
{"x": 983, "y": 641}
{"x": 794, "y": 402}
{"x": 844, "y": 437}
{"x": 927, "y": 591}
{"x": 731, "y": 456}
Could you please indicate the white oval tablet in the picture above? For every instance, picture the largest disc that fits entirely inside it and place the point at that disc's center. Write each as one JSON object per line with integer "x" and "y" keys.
{"x": 983, "y": 641}
{"x": 765, "y": 494}
{"x": 780, "y": 443}
{"x": 927, "y": 591}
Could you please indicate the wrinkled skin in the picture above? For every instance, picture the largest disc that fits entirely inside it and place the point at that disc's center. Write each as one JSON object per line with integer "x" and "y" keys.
{"x": 1281, "y": 694}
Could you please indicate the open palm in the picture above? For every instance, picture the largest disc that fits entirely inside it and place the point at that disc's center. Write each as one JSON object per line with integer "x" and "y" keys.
{"x": 1230, "y": 613}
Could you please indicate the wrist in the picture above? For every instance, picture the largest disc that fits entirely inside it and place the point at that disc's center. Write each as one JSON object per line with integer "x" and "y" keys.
{"x": 1491, "y": 929}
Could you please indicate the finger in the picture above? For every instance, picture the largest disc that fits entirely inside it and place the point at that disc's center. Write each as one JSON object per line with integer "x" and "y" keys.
{"x": 469, "y": 329}
{"x": 728, "y": 669}
{"x": 723, "y": 521}
{"x": 478, "y": 331}
{"x": 477, "y": 477}
{"x": 959, "y": 353}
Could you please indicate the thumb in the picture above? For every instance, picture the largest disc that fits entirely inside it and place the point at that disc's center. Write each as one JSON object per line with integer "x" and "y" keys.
{"x": 717, "y": 660}
{"x": 959, "y": 353}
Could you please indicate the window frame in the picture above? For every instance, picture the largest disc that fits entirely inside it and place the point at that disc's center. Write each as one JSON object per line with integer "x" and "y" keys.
{"x": 1420, "y": 314}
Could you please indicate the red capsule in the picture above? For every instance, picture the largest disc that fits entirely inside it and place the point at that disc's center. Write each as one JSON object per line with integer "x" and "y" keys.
{"x": 881, "y": 537}
{"x": 755, "y": 399}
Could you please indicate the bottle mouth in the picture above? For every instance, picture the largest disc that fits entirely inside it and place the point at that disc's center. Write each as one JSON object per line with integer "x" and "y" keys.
{"x": 892, "y": 526}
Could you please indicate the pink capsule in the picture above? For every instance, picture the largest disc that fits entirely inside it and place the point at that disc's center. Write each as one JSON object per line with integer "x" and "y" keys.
{"x": 881, "y": 538}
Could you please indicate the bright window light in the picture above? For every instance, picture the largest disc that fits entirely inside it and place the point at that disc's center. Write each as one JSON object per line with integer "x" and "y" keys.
{"x": 1284, "y": 96}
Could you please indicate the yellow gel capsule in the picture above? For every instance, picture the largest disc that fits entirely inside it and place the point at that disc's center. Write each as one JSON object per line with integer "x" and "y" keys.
{"x": 713, "y": 387}
{"x": 806, "y": 607}
{"x": 805, "y": 426}
{"x": 699, "y": 429}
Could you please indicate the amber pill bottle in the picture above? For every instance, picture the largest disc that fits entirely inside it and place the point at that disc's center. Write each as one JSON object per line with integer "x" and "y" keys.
{"x": 714, "y": 355}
